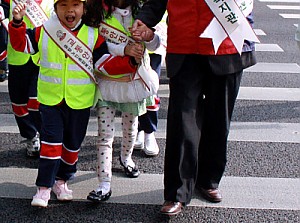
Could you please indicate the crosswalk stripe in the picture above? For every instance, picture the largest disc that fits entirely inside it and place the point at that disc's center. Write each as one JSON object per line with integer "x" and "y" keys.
{"x": 290, "y": 16}
{"x": 268, "y": 47}
{"x": 239, "y": 131}
{"x": 259, "y": 32}
{"x": 255, "y": 93}
{"x": 284, "y": 7}
{"x": 275, "y": 68}
{"x": 272, "y": 94}
{"x": 238, "y": 192}
{"x": 283, "y": 1}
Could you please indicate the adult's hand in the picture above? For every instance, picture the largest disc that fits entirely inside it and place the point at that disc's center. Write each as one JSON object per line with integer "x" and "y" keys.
{"x": 140, "y": 32}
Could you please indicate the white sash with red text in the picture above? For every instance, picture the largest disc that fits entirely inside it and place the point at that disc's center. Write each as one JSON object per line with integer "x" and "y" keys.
{"x": 230, "y": 21}
{"x": 4, "y": 21}
{"x": 34, "y": 12}
{"x": 145, "y": 72}
{"x": 71, "y": 45}
{"x": 114, "y": 35}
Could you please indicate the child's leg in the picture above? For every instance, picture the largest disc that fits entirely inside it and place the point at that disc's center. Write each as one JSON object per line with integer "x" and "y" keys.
{"x": 51, "y": 145}
{"x": 74, "y": 130}
{"x": 22, "y": 87}
{"x": 75, "y": 126}
{"x": 106, "y": 119}
{"x": 106, "y": 125}
{"x": 51, "y": 150}
{"x": 130, "y": 129}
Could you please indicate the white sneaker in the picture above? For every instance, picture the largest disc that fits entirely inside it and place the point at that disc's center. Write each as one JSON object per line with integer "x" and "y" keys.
{"x": 41, "y": 198}
{"x": 33, "y": 146}
{"x": 151, "y": 148}
{"x": 139, "y": 142}
{"x": 62, "y": 192}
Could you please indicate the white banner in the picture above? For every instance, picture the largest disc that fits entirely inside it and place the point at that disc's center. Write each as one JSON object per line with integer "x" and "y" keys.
{"x": 114, "y": 35}
{"x": 34, "y": 12}
{"x": 4, "y": 21}
{"x": 230, "y": 20}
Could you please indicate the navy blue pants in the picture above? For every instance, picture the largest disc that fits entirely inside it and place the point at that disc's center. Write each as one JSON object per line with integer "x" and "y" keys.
{"x": 148, "y": 121}
{"x": 63, "y": 131}
{"x": 22, "y": 88}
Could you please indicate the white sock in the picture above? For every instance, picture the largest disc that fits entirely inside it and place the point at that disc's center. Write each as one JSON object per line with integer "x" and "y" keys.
{"x": 127, "y": 161}
{"x": 104, "y": 187}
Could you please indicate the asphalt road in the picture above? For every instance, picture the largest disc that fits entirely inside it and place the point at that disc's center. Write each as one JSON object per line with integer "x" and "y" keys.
{"x": 247, "y": 157}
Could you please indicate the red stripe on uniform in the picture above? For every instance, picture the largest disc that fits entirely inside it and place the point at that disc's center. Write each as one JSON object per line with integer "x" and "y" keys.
{"x": 20, "y": 110}
{"x": 3, "y": 55}
{"x": 69, "y": 157}
{"x": 104, "y": 62}
{"x": 50, "y": 151}
{"x": 154, "y": 107}
{"x": 33, "y": 104}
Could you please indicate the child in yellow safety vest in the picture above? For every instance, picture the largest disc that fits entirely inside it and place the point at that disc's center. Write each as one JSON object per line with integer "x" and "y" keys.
{"x": 69, "y": 49}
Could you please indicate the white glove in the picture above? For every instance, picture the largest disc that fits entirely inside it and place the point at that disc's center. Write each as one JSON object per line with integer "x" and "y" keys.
{"x": 2, "y": 15}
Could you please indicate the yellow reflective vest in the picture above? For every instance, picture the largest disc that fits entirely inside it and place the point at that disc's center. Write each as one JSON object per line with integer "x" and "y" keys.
{"x": 114, "y": 22}
{"x": 19, "y": 58}
{"x": 61, "y": 78}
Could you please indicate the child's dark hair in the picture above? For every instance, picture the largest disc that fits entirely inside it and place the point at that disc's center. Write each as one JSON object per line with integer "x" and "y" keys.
{"x": 93, "y": 13}
{"x": 135, "y": 6}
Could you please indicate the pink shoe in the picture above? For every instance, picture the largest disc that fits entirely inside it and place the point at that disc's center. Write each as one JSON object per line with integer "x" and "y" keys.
{"x": 41, "y": 198}
{"x": 62, "y": 192}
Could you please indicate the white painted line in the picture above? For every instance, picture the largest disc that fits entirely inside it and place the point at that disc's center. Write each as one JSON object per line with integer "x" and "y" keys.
{"x": 262, "y": 47}
{"x": 284, "y": 1}
{"x": 290, "y": 16}
{"x": 275, "y": 68}
{"x": 259, "y": 32}
{"x": 269, "y": 94}
{"x": 3, "y": 86}
{"x": 265, "y": 132}
{"x": 240, "y": 131}
{"x": 284, "y": 7}
{"x": 238, "y": 192}
{"x": 254, "y": 93}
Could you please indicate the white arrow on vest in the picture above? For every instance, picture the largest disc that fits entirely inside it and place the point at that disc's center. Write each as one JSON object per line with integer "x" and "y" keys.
{"x": 230, "y": 21}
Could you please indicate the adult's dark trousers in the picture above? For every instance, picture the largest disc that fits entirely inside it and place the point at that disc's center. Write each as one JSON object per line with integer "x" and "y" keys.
{"x": 148, "y": 121}
{"x": 22, "y": 87}
{"x": 63, "y": 131}
{"x": 199, "y": 114}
